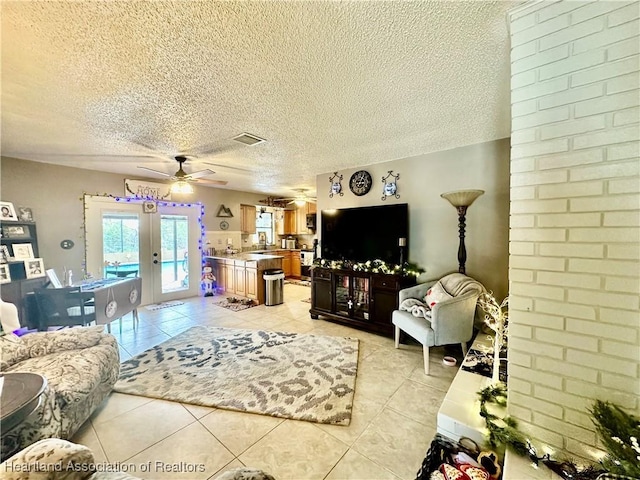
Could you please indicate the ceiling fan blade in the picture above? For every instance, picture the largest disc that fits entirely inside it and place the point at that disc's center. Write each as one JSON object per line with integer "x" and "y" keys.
{"x": 219, "y": 165}
{"x": 156, "y": 171}
{"x": 212, "y": 182}
{"x": 201, "y": 173}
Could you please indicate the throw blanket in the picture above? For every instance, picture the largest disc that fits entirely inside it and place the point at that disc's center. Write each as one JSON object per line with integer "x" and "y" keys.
{"x": 416, "y": 308}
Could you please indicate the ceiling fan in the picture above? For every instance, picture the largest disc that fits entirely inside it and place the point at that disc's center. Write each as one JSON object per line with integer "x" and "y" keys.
{"x": 182, "y": 179}
{"x": 300, "y": 199}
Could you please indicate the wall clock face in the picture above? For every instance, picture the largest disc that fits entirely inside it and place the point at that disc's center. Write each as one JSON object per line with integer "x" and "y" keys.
{"x": 360, "y": 182}
{"x": 224, "y": 225}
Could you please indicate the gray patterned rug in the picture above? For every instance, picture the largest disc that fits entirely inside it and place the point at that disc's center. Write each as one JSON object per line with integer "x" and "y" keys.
{"x": 289, "y": 375}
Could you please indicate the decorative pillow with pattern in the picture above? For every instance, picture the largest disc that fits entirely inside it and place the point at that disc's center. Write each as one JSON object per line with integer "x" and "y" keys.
{"x": 12, "y": 351}
{"x": 44, "y": 343}
{"x": 436, "y": 294}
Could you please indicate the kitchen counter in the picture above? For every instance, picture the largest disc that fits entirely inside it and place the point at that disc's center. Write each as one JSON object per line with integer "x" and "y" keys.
{"x": 246, "y": 256}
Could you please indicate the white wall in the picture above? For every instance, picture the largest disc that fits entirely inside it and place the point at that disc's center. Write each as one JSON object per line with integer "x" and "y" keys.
{"x": 433, "y": 221}
{"x": 575, "y": 208}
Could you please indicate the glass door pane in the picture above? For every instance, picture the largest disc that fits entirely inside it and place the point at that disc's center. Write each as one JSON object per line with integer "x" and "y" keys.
{"x": 343, "y": 299}
{"x": 120, "y": 245}
{"x": 361, "y": 298}
{"x": 174, "y": 257}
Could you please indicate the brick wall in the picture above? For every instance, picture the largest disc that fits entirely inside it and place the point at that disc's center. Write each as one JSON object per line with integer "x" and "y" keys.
{"x": 574, "y": 268}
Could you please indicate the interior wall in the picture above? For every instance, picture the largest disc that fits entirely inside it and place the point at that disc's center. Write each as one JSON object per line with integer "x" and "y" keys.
{"x": 55, "y": 194}
{"x": 433, "y": 221}
{"x": 575, "y": 215}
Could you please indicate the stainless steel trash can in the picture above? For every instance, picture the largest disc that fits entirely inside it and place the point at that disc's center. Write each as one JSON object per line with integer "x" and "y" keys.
{"x": 274, "y": 281}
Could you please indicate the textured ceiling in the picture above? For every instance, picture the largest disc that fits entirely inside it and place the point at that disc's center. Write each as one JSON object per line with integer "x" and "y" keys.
{"x": 331, "y": 85}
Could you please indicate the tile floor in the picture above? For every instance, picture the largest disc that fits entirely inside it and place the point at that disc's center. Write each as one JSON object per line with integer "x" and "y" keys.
{"x": 393, "y": 422}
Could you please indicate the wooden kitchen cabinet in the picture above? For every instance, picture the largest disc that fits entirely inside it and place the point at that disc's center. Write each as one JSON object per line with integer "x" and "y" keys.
{"x": 279, "y": 220}
{"x": 295, "y": 264}
{"x": 251, "y": 281}
{"x": 286, "y": 261}
{"x": 229, "y": 276}
{"x": 240, "y": 280}
{"x": 301, "y": 218}
{"x": 290, "y": 222}
{"x": 248, "y": 218}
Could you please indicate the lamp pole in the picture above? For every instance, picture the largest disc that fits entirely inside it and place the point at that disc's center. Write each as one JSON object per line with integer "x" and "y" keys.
{"x": 462, "y": 200}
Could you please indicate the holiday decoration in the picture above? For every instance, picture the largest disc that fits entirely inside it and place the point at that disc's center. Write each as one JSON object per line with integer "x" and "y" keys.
{"x": 497, "y": 319}
{"x": 374, "y": 266}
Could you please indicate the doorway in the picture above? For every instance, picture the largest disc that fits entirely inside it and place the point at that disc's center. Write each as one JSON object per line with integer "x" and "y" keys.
{"x": 123, "y": 239}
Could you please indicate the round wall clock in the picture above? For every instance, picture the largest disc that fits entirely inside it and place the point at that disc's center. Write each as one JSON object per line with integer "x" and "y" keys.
{"x": 360, "y": 182}
{"x": 224, "y": 225}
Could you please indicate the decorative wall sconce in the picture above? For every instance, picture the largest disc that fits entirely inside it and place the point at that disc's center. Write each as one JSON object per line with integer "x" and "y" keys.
{"x": 462, "y": 199}
{"x": 390, "y": 186}
{"x": 336, "y": 185}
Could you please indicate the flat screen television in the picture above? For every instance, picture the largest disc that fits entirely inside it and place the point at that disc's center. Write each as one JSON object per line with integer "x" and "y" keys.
{"x": 365, "y": 233}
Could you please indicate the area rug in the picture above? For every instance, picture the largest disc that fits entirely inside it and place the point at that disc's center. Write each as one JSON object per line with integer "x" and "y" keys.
{"x": 288, "y": 375}
{"x": 235, "y": 303}
{"x": 302, "y": 283}
{"x": 160, "y": 306}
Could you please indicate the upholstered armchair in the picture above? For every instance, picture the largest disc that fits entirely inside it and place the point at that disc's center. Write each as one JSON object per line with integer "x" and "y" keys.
{"x": 438, "y": 312}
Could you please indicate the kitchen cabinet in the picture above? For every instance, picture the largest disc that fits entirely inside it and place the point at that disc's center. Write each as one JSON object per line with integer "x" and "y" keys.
{"x": 239, "y": 279}
{"x": 248, "y": 218}
{"x": 296, "y": 264}
{"x": 242, "y": 274}
{"x": 301, "y": 218}
{"x": 363, "y": 300}
{"x": 279, "y": 220}
{"x": 229, "y": 276}
{"x": 290, "y": 222}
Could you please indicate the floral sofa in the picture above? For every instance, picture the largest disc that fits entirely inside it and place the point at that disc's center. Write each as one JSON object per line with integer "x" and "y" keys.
{"x": 55, "y": 459}
{"x": 80, "y": 365}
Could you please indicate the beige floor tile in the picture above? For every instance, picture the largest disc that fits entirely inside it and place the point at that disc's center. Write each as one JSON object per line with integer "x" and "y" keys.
{"x": 117, "y": 404}
{"x": 232, "y": 465}
{"x": 377, "y": 382}
{"x": 198, "y": 411}
{"x": 365, "y": 409}
{"x": 418, "y": 402}
{"x": 396, "y": 443}
{"x": 294, "y": 327}
{"x": 144, "y": 426}
{"x": 138, "y": 345}
{"x": 238, "y": 430}
{"x": 193, "y": 451}
{"x": 295, "y": 450}
{"x": 354, "y": 466}
{"x": 440, "y": 376}
{"x": 86, "y": 436}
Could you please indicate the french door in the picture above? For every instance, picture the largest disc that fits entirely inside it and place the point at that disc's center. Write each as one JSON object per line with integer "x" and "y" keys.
{"x": 123, "y": 240}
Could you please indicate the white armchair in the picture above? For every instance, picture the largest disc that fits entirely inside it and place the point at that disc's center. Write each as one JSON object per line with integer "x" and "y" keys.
{"x": 446, "y": 322}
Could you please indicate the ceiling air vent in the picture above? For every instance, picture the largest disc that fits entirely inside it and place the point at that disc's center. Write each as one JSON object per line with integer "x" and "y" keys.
{"x": 248, "y": 139}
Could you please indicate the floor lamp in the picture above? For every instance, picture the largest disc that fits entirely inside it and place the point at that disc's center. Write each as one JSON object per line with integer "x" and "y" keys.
{"x": 462, "y": 199}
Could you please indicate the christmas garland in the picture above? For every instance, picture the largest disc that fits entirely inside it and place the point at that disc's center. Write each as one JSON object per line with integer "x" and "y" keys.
{"x": 619, "y": 432}
{"x": 373, "y": 266}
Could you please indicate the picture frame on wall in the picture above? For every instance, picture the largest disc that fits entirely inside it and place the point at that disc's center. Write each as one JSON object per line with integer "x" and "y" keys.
{"x": 4, "y": 254}
{"x": 8, "y": 212}
{"x": 22, "y": 251}
{"x": 34, "y": 268}
{"x": 25, "y": 214}
{"x": 5, "y": 273}
{"x": 16, "y": 231}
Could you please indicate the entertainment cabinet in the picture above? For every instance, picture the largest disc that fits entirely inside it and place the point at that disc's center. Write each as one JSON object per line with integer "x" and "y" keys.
{"x": 363, "y": 300}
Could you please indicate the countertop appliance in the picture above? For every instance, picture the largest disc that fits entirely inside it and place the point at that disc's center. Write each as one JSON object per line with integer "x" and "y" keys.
{"x": 291, "y": 244}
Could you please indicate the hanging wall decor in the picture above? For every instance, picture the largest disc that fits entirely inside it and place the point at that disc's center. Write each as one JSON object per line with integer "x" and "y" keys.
{"x": 336, "y": 185}
{"x": 390, "y": 186}
{"x": 224, "y": 212}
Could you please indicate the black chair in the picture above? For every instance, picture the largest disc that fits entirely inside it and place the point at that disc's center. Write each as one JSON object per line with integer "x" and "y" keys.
{"x": 63, "y": 307}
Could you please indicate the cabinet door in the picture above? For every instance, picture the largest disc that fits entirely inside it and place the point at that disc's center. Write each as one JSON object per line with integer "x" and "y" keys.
{"x": 251, "y": 283}
{"x": 295, "y": 264}
{"x": 286, "y": 263}
{"x": 289, "y": 222}
{"x": 383, "y": 303}
{"x": 240, "y": 281}
{"x": 321, "y": 297}
{"x": 229, "y": 278}
{"x": 247, "y": 219}
{"x": 220, "y": 275}
{"x": 279, "y": 219}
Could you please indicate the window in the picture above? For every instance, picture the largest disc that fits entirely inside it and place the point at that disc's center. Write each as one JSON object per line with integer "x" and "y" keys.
{"x": 264, "y": 227}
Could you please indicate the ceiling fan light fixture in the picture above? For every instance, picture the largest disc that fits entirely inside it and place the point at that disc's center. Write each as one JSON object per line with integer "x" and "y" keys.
{"x": 300, "y": 202}
{"x": 181, "y": 187}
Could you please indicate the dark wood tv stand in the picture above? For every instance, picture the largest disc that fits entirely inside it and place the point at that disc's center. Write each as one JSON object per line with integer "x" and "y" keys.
{"x": 363, "y": 300}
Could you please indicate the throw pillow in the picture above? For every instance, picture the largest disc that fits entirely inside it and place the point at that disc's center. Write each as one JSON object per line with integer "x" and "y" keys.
{"x": 436, "y": 294}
